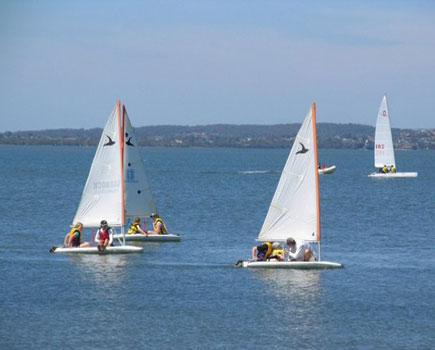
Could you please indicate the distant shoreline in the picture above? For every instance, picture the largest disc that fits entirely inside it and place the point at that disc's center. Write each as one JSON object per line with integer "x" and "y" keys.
{"x": 329, "y": 135}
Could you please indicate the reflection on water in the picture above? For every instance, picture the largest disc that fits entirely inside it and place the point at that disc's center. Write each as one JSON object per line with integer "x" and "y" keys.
{"x": 298, "y": 292}
{"x": 293, "y": 284}
{"x": 107, "y": 271}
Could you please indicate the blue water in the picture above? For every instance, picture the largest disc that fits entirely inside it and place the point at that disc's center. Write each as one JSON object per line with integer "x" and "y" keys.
{"x": 188, "y": 295}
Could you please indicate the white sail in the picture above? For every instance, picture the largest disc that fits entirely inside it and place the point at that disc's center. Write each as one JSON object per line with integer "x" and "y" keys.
{"x": 102, "y": 197}
{"x": 294, "y": 211}
{"x": 384, "y": 151}
{"x": 139, "y": 200}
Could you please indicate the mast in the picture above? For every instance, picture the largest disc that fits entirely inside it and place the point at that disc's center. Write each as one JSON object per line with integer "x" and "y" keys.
{"x": 121, "y": 145}
{"x": 316, "y": 173}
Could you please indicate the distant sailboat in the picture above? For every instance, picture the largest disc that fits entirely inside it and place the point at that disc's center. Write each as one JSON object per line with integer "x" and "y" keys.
{"x": 327, "y": 170}
{"x": 103, "y": 195}
{"x": 384, "y": 149}
{"x": 295, "y": 207}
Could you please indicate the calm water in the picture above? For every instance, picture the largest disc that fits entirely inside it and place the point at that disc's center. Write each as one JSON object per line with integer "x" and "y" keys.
{"x": 188, "y": 295}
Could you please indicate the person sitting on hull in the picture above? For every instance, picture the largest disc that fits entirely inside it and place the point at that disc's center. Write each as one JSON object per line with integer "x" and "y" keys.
{"x": 384, "y": 169}
{"x": 73, "y": 239}
{"x": 392, "y": 169}
{"x": 135, "y": 228}
{"x": 104, "y": 236}
{"x": 159, "y": 226}
{"x": 299, "y": 251}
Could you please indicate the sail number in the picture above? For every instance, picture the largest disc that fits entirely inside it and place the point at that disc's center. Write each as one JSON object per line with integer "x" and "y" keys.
{"x": 379, "y": 146}
{"x": 384, "y": 113}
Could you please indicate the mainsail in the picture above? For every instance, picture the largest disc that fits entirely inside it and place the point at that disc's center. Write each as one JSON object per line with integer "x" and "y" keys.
{"x": 139, "y": 200}
{"x": 384, "y": 151}
{"x": 102, "y": 196}
{"x": 295, "y": 210}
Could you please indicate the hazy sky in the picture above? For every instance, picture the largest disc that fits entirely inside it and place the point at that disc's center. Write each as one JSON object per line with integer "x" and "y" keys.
{"x": 63, "y": 64}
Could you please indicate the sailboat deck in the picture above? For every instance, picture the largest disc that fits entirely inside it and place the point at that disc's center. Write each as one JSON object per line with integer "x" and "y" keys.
{"x": 300, "y": 265}
{"x": 392, "y": 175}
{"x": 150, "y": 238}
{"x": 94, "y": 250}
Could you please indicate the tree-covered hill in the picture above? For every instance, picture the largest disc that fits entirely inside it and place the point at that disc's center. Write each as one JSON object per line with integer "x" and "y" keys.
{"x": 329, "y": 135}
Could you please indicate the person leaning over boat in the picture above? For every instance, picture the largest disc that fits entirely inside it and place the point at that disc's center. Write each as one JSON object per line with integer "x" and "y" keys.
{"x": 159, "y": 226}
{"x": 104, "y": 236}
{"x": 262, "y": 252}
{"x": 277, "y": 253}
{"x": 299, "y": 251}
{"x": 73, "y": 239}
{"x": 135, "y": 227}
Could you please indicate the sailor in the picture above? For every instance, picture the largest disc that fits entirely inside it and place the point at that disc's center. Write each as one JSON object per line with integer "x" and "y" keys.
{"x": 262, "y": 252}
{"x": 159, "y": 226}
{"x": 135, "y": 227}
{"x": 73, "y": 239}
{"x": 277, "y": 252}
{"x": 392, "y": 169}
{"x": 299, "y": 251}
{"x": 104, "y": 236}
{"x": 384, "y": 169}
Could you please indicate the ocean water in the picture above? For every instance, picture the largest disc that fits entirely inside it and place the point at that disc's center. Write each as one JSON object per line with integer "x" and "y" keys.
{"x": 189, "y": 295}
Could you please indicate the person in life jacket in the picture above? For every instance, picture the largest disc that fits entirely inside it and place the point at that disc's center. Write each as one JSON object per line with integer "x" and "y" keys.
{"x": 73, "y": 239}
{"x": 277, "y": 253}
{"x": 159, "y": 226}
{"x": 392, "y": 169}
{"x": 262, "y": 252}
{"x": 135, "y": 227}
{"x": 104, "y": 236}
{"x": 384, "y": 169}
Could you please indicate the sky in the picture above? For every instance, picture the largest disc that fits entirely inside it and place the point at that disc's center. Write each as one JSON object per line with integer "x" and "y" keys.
{"x": 63, "y": 64}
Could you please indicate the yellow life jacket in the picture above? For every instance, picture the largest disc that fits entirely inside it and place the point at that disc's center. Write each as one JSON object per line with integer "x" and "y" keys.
{"x": 71, "y": 234}
{"x": 269, "y": 249}
{"x": 133, "y": 229}
{"x": 277, "y": 252}
{"x": 393, "y": 169}
{"x": 163, "y": 227}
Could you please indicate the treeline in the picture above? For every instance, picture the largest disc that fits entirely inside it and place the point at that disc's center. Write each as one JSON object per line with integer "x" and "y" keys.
{"x": 329, "y": 135}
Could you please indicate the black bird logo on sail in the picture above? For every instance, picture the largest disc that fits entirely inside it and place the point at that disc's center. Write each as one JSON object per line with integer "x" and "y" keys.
{"x": 110, "y": 142}
{"x": 128, "y": 143}
{"x": 303, "y": 150}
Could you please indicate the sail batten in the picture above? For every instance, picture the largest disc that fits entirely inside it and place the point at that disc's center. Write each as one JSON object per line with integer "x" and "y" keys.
{"x": 384, "y": 149}
{"x": 294, "y": 210}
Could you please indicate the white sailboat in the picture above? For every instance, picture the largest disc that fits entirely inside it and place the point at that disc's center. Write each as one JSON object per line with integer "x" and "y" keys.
{"x": 103, "y": 194}
{"x": 295, "y": 208}
{"x": 139, "y": 201}
{"x": 384, "y": 149}
{"x": 327, "y": 170}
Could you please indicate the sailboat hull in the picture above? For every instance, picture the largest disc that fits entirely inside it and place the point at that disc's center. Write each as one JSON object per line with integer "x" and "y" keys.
{"x": 299, "y": 265}
{"x": 328, "y": 170}
{"x": 393, "y": 175}
{"x": 93, "y": 250}
{"x": 150, "y": 238}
